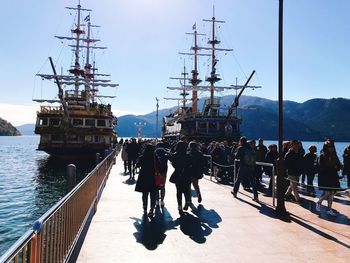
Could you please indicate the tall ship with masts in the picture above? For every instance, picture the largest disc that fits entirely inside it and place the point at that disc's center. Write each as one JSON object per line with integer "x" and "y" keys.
{"x": 77, "y": 122}
{"x": 213, "y": 121}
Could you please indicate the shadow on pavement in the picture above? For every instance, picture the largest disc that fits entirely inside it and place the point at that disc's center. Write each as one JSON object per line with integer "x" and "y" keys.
{"x": 193, "y": 227}
{"x": 151, "y": 232}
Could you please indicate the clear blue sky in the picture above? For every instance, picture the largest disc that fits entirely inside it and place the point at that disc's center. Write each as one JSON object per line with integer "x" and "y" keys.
{"x": 145, "y": 36}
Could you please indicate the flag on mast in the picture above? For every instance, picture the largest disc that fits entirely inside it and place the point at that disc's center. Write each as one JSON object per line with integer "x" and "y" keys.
{"x": 87, "y": 18}
{"x": 194, "y": 26}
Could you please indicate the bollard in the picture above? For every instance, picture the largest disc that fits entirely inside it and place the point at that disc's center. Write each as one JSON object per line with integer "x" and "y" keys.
{"x": 98, "y": 158}
{"x": 71, "y": 176}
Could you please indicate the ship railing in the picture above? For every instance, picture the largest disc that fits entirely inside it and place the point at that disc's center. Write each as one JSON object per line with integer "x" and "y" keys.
{"x": 55, "y": 234}
{"x": 51, "y": 109}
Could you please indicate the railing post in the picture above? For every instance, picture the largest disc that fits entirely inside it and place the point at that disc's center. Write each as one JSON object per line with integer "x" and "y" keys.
{"x": 98, "y": 158}
{"x": 35, "y": 243}
{"x": 211, "y": 167}
{"x": 71, "y": 176}
{"x": 234, "y": 171}
{"x": 273, "y": 186}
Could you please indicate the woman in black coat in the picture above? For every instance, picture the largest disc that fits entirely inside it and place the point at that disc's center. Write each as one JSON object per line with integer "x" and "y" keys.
{"x": 346, "y": 161}
{"x": 181, "y": 176}
{"x": 328, "y": 179}
{"x": 146, "y": 179}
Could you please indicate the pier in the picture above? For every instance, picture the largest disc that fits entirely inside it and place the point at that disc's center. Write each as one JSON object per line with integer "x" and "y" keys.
{"x": 220, "y": 229}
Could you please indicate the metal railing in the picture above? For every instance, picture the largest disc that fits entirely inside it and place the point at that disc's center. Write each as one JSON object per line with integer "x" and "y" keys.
{"x": 56, "y": 233}
{"x": 234, "y": 166}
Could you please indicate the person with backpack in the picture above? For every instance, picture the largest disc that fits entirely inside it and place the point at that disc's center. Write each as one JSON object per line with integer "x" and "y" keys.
{"x": 197, "y": 163}
{"x": 161, "y": 156}
{"x": 247, "y": 161}
{"x": 181, "y": 176}
{"x": 294, "y": 166}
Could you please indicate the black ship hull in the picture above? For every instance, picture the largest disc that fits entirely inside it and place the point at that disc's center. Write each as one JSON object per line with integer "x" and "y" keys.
{"x": 203, "y": 128}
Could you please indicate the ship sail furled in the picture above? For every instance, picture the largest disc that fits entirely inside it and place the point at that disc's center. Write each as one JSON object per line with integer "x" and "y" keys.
{"x": 81, "y": 124}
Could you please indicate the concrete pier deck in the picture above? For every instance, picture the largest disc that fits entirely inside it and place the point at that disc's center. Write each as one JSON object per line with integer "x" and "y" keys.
{"x": 220, "y": 229}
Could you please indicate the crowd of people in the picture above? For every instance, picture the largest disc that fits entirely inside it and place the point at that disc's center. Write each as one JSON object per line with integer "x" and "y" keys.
{"x": 190, "y": 163}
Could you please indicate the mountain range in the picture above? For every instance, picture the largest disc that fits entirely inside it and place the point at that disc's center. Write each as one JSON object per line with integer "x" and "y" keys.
{"x": 312, "y": 120}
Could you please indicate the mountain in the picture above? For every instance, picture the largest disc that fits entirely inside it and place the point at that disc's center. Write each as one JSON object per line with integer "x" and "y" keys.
{"x": 26, "y": 129}
{"x": 6, "y": 129}
{"x": 314, "y": 119}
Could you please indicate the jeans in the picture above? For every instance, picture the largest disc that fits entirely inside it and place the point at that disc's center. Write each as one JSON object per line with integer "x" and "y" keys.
{"x": 248, "y": 173}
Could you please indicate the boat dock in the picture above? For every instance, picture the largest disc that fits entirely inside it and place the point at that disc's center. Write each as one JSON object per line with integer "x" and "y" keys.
{"x": 220, "y": 229}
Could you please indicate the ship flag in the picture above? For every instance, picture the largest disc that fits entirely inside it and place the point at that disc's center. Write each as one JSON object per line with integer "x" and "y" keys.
{"x": 87, "y": 18}
{"x": 194, "y": 26}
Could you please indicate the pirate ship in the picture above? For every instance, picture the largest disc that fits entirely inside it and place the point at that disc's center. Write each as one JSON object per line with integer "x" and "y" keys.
{"x": 77, "y": 123}
{"x": 212, "y": 122}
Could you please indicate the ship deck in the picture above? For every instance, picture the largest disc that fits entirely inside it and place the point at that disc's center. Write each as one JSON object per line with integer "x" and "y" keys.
{"x": 221, "y": 229}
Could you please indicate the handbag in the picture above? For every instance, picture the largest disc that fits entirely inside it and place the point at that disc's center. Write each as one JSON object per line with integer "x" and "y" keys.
{"x": 174, "y": 177}
{"x": 159, "y": 179}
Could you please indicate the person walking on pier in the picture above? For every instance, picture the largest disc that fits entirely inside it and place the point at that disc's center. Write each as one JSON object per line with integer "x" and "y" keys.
{"x": 162, "y": 155}
{"x": 346, "y": 162}
{"x": 132, "y": 151}
{"x": 328, "y": 179}
{"x": 125, "y": 155}
{"x": 294, "y": 166}
{"x": 246, "y": 156}
{"x": 180, "y": 177}
{"x": 146, "y": 180}
{"x": 310, "y": 168}
{"x": 196, "y": 167}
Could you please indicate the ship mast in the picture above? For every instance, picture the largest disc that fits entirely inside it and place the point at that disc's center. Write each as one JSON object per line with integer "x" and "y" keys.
{"x": 214, "y": 77}
{"x": 195, "y": 80}
{"x": 183, "y": 89}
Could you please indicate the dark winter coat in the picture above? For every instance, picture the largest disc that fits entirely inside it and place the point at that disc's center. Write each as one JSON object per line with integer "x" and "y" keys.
{"x": 180, "y": 162}
{"x": 146, "y": 179}
{"x": 346, "y": 168}
{"x": 329, "y": 165}
{"x": 294, "y": 163}
{"x": 310, "y": 161}
{"x": 162, "y": 156}
{"x": 197, "y": 163}
{"x": 270, "y": 157}
{"x": 132, "y": 151}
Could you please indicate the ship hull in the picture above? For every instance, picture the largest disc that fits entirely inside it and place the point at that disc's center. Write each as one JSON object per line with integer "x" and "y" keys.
{"x": 83, "y": 134}
{"x": 202, "y": 128}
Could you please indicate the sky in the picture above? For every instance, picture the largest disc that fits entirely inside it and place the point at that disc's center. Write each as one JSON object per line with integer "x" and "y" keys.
{"x": 144, "y": 37}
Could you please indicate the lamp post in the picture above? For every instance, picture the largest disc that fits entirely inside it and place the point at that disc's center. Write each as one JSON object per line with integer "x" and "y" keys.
{"x": 280, "y": 208}
{"x": 157, "y": 105}
{"x": 139, "y": 126}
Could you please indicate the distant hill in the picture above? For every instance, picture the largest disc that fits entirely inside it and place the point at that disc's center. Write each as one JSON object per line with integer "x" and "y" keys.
{"x": 26, "y": 129}
{"x": 6, "y": 129}
{"x": 314, "y": 119}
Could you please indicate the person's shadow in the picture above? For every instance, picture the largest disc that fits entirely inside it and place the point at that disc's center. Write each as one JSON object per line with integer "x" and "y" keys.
{"x": 151, "y": 232}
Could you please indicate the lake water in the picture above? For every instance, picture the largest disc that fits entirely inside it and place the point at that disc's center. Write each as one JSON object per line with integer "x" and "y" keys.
{"x": 30, "y": 183}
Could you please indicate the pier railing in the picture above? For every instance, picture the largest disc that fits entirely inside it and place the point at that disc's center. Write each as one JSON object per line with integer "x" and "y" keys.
{"x": 56, "y": 233}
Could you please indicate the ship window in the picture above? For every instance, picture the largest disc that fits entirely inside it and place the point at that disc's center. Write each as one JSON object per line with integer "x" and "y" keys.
{"x": 202, "y": 125}
{"x": 55, "y": 122}
{"x": 78, "y": 122}
{"x": 90, "y": 122}
{"x": 96, "y": 139}
{"x": 213, "y": 125}
{"x": 57, "y": 137}
{"x": 43, "y": 121}
{"x": 72, "y": 137}
{"x": 101, "y": 123}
